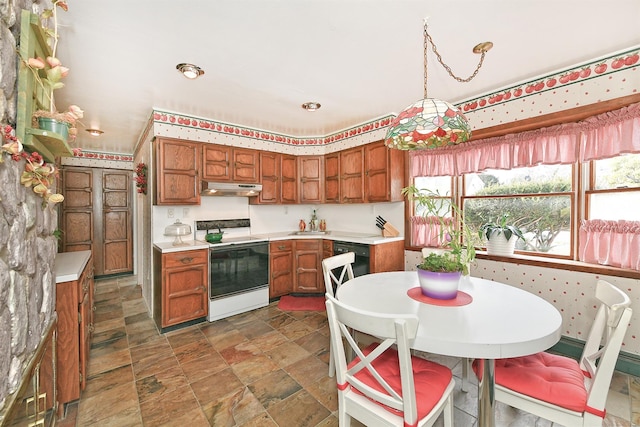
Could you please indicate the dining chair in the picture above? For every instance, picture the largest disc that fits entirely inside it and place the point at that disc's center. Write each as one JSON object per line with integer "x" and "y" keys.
{"x": 384, "y": 385}
{"x": 466, "y": 362}
{"x": 342, "y": 264}
{"x": 562, "y": 389}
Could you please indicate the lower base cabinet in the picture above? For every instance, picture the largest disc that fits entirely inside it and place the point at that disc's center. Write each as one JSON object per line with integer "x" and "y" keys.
{"x": 386, "y": 257}
{"x": 308, "y": 267}
{"x": 75, "y": 307}
{"x": 180, "y": 287}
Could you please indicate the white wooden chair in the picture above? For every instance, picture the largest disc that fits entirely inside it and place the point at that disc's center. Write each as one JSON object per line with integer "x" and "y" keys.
{"x": 466, "y": 362}
{"x": 559, "y": 388}
{"x": 344, "y": 263}
{"x": 384, "y": 385}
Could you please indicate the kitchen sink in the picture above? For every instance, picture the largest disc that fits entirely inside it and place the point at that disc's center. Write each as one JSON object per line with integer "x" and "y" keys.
{"x": 308, "y": 233}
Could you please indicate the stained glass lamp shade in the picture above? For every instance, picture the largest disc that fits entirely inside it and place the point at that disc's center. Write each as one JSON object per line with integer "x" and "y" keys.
{"x": 428, "y": 123}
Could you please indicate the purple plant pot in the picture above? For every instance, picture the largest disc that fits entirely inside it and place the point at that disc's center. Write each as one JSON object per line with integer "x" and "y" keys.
{"x": 439, "y": 285}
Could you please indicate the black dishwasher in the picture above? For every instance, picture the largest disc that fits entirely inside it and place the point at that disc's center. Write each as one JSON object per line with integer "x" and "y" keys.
{"x": 361, "y": 264}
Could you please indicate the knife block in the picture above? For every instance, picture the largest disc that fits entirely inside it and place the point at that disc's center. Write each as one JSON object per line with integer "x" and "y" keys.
{"x": 390, "y": 231}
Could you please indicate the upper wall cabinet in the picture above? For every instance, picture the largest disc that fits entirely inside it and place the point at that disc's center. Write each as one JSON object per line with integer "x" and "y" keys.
{"x": 221, "y": 163}
{"x": 177, "y": 180}
{"x": 367, "y": 174}
{"x": 384, "y": 173}
{"x": 311, "y": 172}
{"x": 279, "y": 176}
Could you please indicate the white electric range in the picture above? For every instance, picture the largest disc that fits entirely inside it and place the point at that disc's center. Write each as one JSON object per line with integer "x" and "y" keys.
{"x": 238, "y": 268}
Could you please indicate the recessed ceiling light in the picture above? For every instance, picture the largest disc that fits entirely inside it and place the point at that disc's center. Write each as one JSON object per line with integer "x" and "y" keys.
{"x": 94, "y": 132}
{"x": 311, "y": 106}
{"x": 190, "y": 71}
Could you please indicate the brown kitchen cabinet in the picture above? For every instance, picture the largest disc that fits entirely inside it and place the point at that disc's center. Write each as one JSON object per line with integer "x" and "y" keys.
{"x": 386, "y": 257}
{"x": 278, "y": 176}
{"x": 308, "y": 267}
{"x": 96, "y": 215}
{"x": 225, "y": 163}
{"x": 281, "y": 266}
{"x": 177, "y": 163}
{"x": 352, "y": 175}
{"x": 366, "y": 174}
{"x": 384, "y": 173}
{"x": 311, "y": 174}
{"x": 75, "y": 307}
{"x": 327, "y": 248}
{"x": 181, "y": 287}
{"x": 332, "y": 178}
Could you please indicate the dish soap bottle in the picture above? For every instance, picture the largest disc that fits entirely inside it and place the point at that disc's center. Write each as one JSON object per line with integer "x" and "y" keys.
{"x": 313, "y": 224}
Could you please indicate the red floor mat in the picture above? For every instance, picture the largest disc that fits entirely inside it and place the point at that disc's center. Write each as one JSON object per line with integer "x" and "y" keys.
{"x": 291, "y": 303}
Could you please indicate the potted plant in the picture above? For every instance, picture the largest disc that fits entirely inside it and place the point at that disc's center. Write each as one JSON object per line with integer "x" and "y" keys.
{"x": 440, "y": 271}
{"x": 501, "y": 236}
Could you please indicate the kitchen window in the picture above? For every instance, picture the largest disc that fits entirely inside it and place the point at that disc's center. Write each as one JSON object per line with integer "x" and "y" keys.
{"x": 564, "y": 186}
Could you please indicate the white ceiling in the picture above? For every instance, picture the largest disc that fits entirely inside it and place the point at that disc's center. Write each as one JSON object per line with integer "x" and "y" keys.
{"x": 360, "y": 59}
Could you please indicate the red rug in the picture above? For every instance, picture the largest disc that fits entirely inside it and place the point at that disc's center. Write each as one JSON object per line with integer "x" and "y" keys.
{"x": 291, "y": 303}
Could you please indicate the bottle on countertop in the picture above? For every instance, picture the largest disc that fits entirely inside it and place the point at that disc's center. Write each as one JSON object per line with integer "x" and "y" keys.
{"x": 302, "y": 225}
{"x": 313, "y": 224}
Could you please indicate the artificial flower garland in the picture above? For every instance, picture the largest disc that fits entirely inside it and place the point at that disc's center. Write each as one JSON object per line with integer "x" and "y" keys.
{"x": 37, "y": 174}
{"x": 141, "y": 178}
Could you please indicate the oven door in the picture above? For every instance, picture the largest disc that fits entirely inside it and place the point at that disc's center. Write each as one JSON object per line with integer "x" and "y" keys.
{"x": 238, "y": 268}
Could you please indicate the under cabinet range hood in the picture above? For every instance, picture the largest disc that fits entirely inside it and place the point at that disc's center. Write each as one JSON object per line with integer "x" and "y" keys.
{"x": 230, "y": 189}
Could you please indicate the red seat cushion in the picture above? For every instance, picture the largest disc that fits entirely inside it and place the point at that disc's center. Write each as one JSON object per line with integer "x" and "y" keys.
{"x": 548, "y": 377}
{"x": 430, "y": 379}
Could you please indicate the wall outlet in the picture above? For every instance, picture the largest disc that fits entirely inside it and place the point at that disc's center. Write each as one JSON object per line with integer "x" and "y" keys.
{"x": 185, "y": 212}
{"x": 170, "y": 213}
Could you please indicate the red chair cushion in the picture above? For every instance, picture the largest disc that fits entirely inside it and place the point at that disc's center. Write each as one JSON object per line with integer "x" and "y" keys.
{"x": 430, "y": 379}
{"x": 548, "y": 377}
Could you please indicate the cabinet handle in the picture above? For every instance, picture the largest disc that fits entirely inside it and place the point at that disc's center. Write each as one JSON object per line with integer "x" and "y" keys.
{"x": 282, "y": 247}
{"x": 186, "y": 260}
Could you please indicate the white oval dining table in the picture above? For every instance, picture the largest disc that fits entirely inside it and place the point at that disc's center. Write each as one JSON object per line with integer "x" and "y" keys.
{"x": 501, "y": 321}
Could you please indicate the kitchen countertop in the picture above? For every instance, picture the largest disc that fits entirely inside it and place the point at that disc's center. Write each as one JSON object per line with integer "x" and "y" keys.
{"x": 343, "y": 236}
{"x": 68, "y": 266}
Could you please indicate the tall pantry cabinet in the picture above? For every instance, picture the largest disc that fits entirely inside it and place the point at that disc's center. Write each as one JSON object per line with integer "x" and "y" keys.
{"x": 96, "y": 215}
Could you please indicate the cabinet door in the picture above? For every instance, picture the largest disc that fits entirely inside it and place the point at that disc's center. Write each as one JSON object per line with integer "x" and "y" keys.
{"x": 245, "y": 165}
{"x": 185, "y": 287}
{"x": 289, "y": 179}
{"x": 384, "y": 173}
{"x": 377, "y": 172}
{"x": 352, "y": 176}
{"x": 176, "y": 172}
{"x": 311, "y": 179}
{"x": 281, "y": 280}
{"x": 115, "y": 255}
{"x": 216, "y": 162}
{"x": 327, "y": 248}
{"x": 270, "y": 179}
{"x": 308, "y": 266}
{"x": 85, "y": 338}
{"x": 332, "y": 178}
{"x": 77, "y": 210}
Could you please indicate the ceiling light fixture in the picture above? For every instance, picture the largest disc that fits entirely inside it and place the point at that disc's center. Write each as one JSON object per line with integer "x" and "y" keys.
{"x": 94, "y": 132}
{"x": 311, "y": 106}
{"x": 190, "y": 71}
{"x": 431, "y": 122}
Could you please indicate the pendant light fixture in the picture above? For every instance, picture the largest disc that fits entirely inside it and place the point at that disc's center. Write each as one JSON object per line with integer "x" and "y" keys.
{"x": 431, "y": 122}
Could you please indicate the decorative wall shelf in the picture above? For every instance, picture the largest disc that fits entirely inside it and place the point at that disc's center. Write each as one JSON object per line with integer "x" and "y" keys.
{"x": 33, "y": 96}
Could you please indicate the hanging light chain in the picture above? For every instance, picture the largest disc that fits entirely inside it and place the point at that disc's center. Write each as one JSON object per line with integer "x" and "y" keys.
{"x": 481, "y": 49}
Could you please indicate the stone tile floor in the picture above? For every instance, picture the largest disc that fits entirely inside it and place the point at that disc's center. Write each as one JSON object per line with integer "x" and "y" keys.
{"x": 262, "y": 368}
